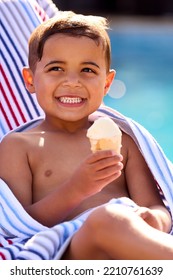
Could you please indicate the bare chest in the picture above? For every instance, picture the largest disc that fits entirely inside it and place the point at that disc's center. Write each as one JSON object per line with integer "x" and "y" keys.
{"x": 54, "y": 163}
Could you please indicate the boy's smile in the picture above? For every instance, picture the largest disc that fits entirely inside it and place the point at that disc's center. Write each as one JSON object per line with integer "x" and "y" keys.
{"x": 71, "y": 101}
{"x": 70, "y": 80}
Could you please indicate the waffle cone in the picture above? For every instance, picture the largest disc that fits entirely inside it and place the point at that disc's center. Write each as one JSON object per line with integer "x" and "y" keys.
{"x": 113, "y": 143}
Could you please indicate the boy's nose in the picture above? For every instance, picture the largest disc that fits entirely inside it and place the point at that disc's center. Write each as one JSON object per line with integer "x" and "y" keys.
{"x": 72, "y": 80}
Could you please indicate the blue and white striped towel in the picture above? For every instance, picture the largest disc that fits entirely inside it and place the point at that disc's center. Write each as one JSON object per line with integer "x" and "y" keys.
{"x": 23, "y": 238}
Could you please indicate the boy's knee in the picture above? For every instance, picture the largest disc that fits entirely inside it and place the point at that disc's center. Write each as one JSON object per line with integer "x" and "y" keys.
{"x": 103, "y": 227}
{"x": 107, "y": 218}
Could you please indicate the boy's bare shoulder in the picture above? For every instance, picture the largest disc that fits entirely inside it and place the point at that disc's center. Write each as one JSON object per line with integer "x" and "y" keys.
{"x": 19, "y": 137}
{"x": 11, "y": 138}
{"x": 14, "y": 139}
{"x": 127, "y": 139}
{"x": 12, "y": 146}
{"x": 16, "y": 143}
{"x": 129, "y": 147}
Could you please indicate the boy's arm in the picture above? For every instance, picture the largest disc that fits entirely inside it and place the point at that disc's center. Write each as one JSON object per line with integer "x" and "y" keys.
{"x": 14, "y": 168}
{"x": 90, "y": 177}
{"x": 142, "y": 186}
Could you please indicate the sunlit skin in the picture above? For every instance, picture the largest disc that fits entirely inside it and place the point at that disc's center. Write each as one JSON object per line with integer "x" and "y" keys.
{"x": 51, "y": 169}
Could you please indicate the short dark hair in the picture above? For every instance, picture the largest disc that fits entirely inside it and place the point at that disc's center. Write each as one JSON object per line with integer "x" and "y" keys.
{"x": 76, "y": 25}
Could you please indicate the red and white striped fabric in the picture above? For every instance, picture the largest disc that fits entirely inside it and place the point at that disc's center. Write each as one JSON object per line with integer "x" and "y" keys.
{"x": 18, "y": 19}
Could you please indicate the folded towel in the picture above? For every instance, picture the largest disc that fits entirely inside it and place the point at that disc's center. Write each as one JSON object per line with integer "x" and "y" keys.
{"x": 22, "y": 237}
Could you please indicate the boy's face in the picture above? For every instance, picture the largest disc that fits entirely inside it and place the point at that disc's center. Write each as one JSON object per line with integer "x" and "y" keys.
{"x": 71, "y": 80}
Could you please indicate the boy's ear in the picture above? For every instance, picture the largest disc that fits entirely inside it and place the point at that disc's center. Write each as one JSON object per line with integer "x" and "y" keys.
{"x": 109, "y": 80}
{"x": 28, "y": 79}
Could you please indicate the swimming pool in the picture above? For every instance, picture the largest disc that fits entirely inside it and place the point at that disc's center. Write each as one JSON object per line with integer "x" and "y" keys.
{"x": 142, "y": 54}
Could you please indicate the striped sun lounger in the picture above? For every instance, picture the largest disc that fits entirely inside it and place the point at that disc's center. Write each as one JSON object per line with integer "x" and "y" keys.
{"x": 18, "y": 19}
{"x": 22, "y": 237}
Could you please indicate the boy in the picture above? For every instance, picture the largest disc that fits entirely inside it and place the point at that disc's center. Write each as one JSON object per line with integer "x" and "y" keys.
{"x": 51, "y": 169}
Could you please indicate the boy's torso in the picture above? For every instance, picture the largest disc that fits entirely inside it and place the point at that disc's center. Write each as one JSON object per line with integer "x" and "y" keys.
{"x": 53, "y": 157}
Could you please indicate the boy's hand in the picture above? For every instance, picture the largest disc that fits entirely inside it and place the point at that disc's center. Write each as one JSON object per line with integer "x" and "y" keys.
{"x": 95, "y": 172}
{"x": 150, "y": 216}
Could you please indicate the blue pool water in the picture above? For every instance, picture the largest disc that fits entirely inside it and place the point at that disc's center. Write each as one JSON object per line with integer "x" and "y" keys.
{"x": 143, "y": 89}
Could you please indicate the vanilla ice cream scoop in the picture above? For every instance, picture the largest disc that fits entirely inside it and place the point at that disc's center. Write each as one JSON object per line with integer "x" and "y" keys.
{"x": 104, "y": 134}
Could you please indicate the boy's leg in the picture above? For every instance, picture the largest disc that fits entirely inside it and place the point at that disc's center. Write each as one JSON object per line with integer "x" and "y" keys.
{"x": 116, "y": 232}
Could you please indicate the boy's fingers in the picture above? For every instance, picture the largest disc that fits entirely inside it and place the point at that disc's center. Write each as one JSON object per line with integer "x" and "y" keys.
{"x": 109, "y": 163}
{"x": 107, "y": 172}
{"x": 99, "y": 155}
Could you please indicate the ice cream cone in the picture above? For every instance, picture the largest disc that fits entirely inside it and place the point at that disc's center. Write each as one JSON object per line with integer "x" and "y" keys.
{"x": 105, "y": 134}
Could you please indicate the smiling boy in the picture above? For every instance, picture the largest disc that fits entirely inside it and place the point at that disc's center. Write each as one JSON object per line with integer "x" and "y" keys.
{"x": 51, "y": 169}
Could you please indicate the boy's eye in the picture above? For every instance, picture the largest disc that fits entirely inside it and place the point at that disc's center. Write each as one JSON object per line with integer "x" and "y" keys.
{"x": 88, "y": 70}
{"x": 55, "y": 68}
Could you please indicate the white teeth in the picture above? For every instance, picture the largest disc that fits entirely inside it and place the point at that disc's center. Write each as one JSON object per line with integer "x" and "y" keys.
{"x": 71, "y": 100}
